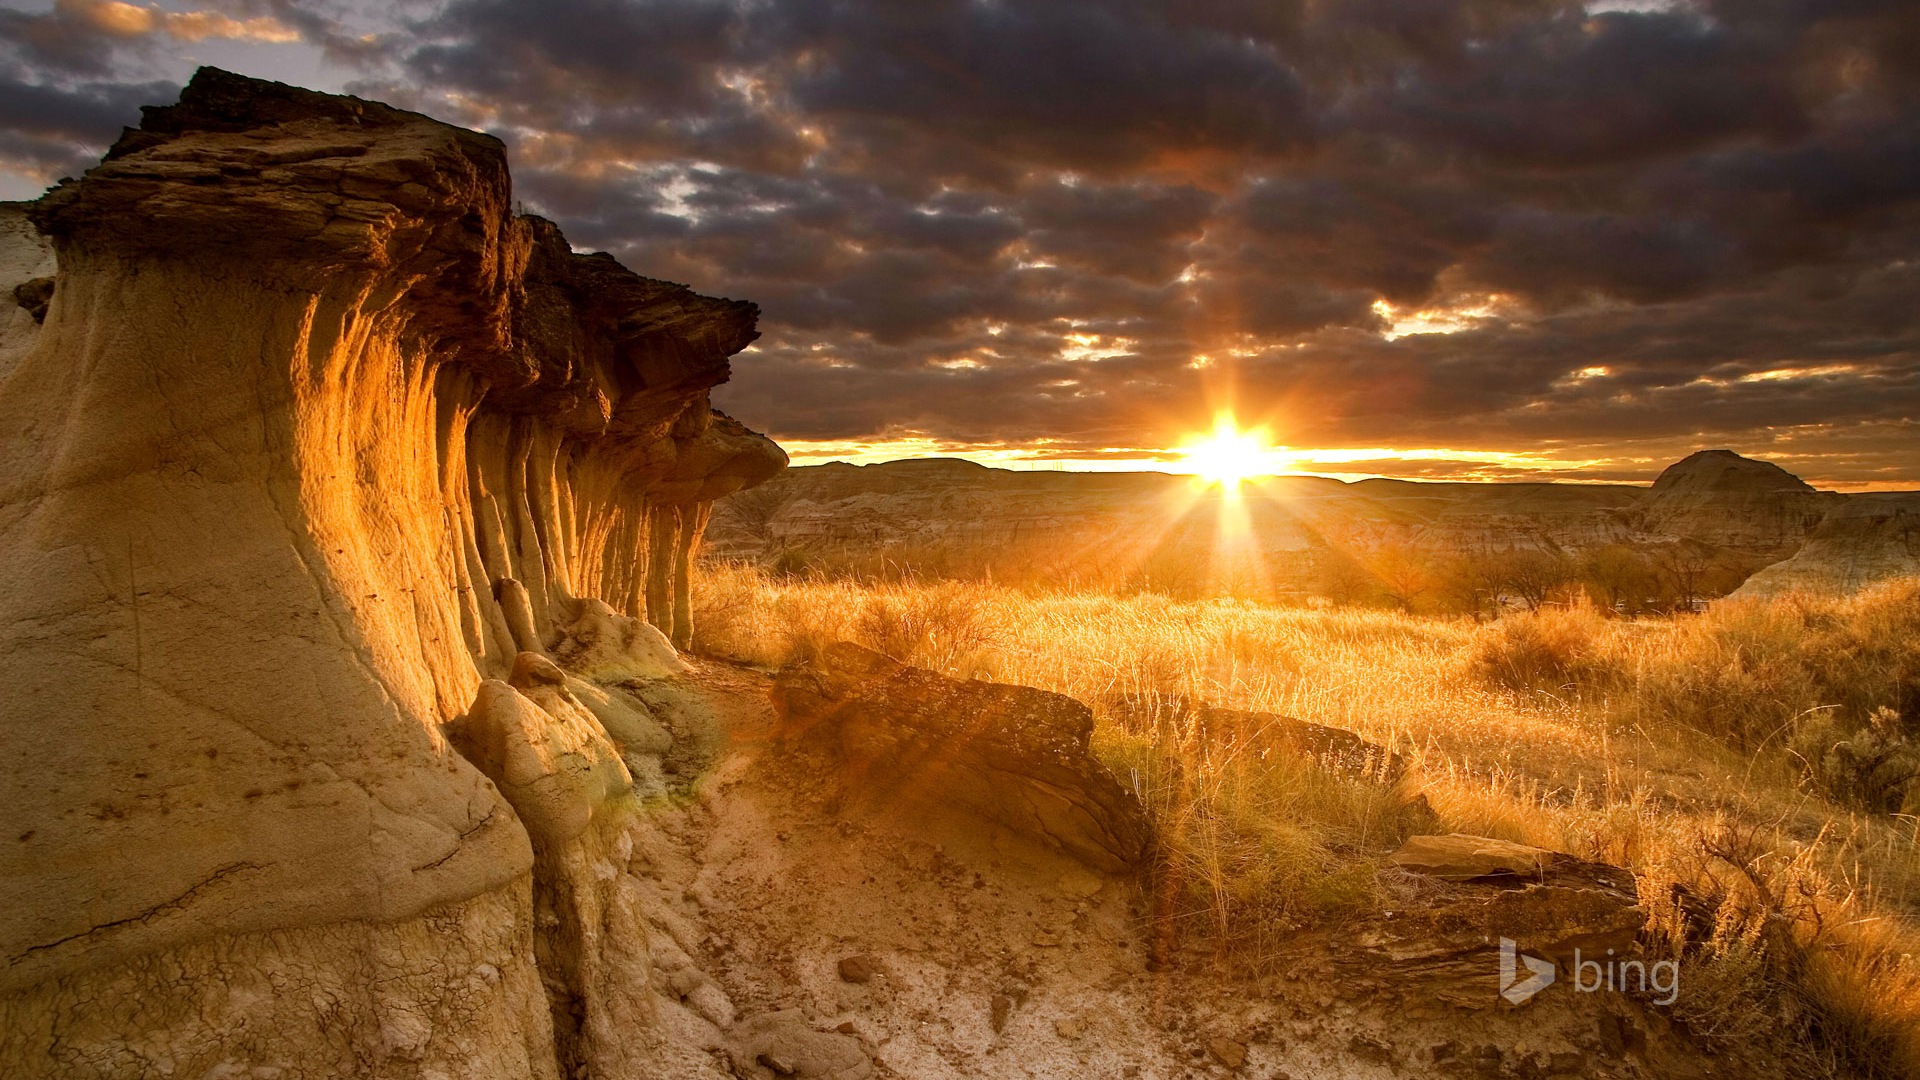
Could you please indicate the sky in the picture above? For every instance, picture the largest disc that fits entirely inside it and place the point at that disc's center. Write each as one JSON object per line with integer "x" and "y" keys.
{"x": 1466, "y": 239}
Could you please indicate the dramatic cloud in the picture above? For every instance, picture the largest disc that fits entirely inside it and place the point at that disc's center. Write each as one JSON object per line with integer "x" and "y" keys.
{"x": 1585, "y": 237}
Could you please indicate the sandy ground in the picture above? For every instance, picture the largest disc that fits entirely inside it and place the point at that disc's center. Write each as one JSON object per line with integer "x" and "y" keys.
{"x": 943, "y": 946}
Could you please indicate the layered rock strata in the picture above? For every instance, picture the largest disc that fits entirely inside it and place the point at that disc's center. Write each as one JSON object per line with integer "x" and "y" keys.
{"x": 1479, "y": 890}
{"x": 1866, "y": 540}
{"x": 311, "y": 451}
{"x": 1718, "y": 497}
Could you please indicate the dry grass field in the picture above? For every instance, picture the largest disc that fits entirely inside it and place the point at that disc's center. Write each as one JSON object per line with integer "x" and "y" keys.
{"x": 1751, "y": 765}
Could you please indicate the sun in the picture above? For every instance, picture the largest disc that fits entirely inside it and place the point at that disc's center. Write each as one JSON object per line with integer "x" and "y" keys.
{"x": 1229, "y": 455}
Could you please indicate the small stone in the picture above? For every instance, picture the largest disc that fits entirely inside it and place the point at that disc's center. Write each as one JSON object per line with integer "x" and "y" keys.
{"x": 1046, "y": 939}
{"x": 856, "y": 969}
{"x": 1565, "y": 1063}
{"x": 1080, "y": 884}
{"x": 1068, "y": 1028}
{"x": 779, "y": 1063}
{"x": 1228, "y": 1053}
{"x": 845, "y": 1028}
{"x": 1371, "y": 1050}
{"x": 1000, "y": 1010}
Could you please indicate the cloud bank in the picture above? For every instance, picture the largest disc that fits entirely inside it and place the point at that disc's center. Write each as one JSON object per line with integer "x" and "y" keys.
{"x": 1585, "y": 236}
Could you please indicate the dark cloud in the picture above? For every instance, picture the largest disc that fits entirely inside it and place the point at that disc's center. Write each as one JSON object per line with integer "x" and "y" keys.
{"x": 1089, "y": 222}
{"x": 63, "y": 41}
{"x": 50, "y": 131}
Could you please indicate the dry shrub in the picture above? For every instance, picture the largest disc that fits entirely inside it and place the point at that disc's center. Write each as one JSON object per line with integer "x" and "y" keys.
{"x": 1750, "y": 670}
{"x": 731, "y": 614}
{"x": 1801, "y": 673}
{"x": 1543, "y": 651}
{"x": 941, "y": 626}
{"x": 1864, "y": 984}
{"x": 1780, "y": 964}
{"x": 1874, "y": 767}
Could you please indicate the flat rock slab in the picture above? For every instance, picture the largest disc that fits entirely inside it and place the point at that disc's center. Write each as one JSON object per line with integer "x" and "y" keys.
{"x": 1012, "y": 754}
{"x": 1478, "y": 891}
{"x": 1460, "y": 857}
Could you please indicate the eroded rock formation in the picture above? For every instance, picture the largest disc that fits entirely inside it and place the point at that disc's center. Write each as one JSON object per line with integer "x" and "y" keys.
{"x": 1869, "y": 538}
{"x": 1718, "y": 497}
{"x": 1479, "y": 890}
{"x": 309, "y": 438}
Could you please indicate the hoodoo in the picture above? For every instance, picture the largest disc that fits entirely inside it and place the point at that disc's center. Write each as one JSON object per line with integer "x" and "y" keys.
{"x": 307, "y": 440}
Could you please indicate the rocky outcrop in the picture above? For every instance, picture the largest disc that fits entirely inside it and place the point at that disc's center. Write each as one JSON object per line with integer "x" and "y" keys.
{"x": 1011, "y": 754}
{"x": 1865, "y": 540}
{"x": 1335, "y": 750}
{"x": 1478, "y": 890}
{"x": 313, "y": 442}
{"x": 1460, "y": 857}
{"x": 1718, "y": 497}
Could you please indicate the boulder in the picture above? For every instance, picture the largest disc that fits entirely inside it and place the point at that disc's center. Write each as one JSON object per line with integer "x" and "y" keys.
{"x": 553, "y": 762}
{"x": 1011, "y": 754}
{"x": 607, "y": 646}
{"x": 626, "y": 719}
{"x": 1334, "y": 749}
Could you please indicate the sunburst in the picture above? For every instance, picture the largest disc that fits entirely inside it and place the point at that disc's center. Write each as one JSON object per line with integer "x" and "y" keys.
{"x": 1229, "y": 455}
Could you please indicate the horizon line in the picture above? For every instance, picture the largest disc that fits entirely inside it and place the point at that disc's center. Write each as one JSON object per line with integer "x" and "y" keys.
{"x": 1001, "y": 461}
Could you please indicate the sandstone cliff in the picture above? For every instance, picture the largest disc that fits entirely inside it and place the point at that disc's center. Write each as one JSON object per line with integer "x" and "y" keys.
{"x": 310, "y": 448}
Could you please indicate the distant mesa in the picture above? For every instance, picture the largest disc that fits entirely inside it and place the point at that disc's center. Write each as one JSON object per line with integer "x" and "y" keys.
{"x": 933, "y": 465}
{"x": 1718, "y": 497}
